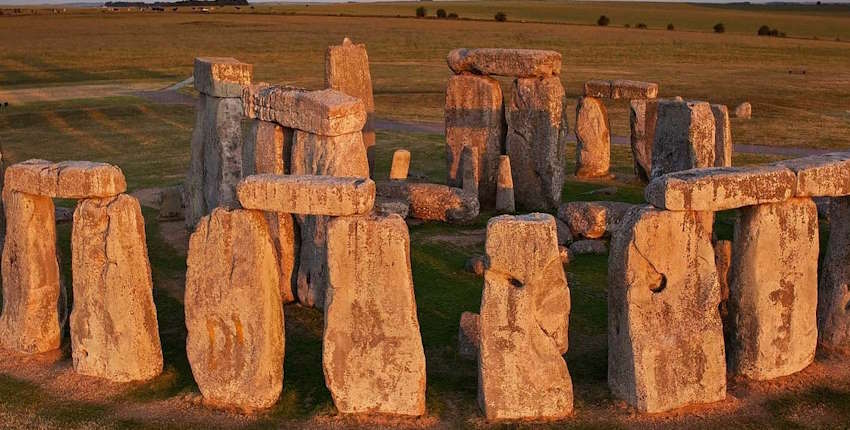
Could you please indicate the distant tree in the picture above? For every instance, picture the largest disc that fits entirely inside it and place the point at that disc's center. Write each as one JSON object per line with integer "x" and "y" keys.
{"x": 501, "y": 17}
{"x": 670, "y": 27}
{"x": 641, "y": 26}
{"x": 603, "y": 21}
{"x": 421, "y": 11}
{"x": 441, "y": 13}
{"x": 452, "y": 16}
{"x": 719, "y": 28}
{"x": 764, "y": 31}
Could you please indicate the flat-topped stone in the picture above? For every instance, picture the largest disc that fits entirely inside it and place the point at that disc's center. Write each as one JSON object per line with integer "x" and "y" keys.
{"x": 620, "y": 89}
{"x": 324, "y": 112}
{"x": 520, "y": 63}
{"x": 307, "y": 194}
{"x": 721, "y": 188}
{"x": 826, "y": 175}
{"x": 221, "y": 76}
{"x": 66, "y": 180}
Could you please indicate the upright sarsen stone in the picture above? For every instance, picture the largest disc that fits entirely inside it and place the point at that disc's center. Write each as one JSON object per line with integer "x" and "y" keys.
{"x": 642, "y": 118}
{"x": 505, "y": 202}
{"x": 593, "y": 139}
{"x": 834, "y": 286}
{"x": 722, "y": 136}
{"x": 372, "y": 351}
{"x": 684, "y": 137}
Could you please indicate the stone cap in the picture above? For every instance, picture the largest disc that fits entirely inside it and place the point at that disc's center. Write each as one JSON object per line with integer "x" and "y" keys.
{"x": 324, "y": 112}
{"x": 519, "y": 63}
{"x": 307, "y": 194}
{"x": 66, "y": 180}
{"x": 826, "y": 175}
{"x": 221, "y": 76}
{"x": 721, "y": 188}
{"x": 620, "y": 89}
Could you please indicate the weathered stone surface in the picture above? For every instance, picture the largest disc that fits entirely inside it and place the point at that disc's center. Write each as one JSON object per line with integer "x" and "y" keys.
{"x": 722, "y": 136}
{"x": 475, "y": 264}
{"x": 593, "y": 138}
{"x": 372, "y": 352}
{"x": 642, "y": 118}
{"x": 401, "y": 164}
{"x": 721, "y": 188}
{"x": 525, "y": 311}
{"x": 475, "y": 118}
{"x": 267, "y": 149}
{"x": 341, "y": 156}
{"x": 171, "y": 203}
{"x": 114, "y": 330}
{"x": 723, "y": 262}
{"x": 589, "y": 246}
{"x": 433, "y": 202}
{"x": 565, "y": 236}
{"x": 598, "y": 88}
{"x": 834, "y": 287}
{"x": 564, "y": 253}
{"x": 593, "y": 220}
{"x": 627, "y": 89}
{"x": 284, "y": 234}
{"x": 505, "y": 187}
{"x": 307, "y": 194}
{"x": 773, "y": 289}
{"x": 744, "y": 110}
{"x": 66, "y": 179}
{"x": 324, "y": 112}
{"x": 519, "y": 63}
{"x": 471, "y": 171}
{"x": 825, "y": 175}
{"x": 30, "y": 321}
{"x": 536, "y": 142}
{"x": 215, "y": 164}
{"x": 684, "y": 137}
{"x": 468, "y": 335}
{"x": 385, "y": 206}
{"x": 234, "y": 316}
{"x": 665, "y": 339}
{"x": 221, "y": 76}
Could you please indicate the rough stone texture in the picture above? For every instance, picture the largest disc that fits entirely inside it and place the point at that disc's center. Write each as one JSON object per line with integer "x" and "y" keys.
{"x": 471, "y": 170}
{"x": 722, "y": 136}
{"x": 30, "y": 321}
{"x": 834, "y": 286}
{"x": 642, "y": 118}
{"x": 525, "y": 311}
{"x": 589, "y": 246}
{"x": 721, "y": 188}
{"x": 773, "y": 289}
{"x": 341, "y": 156}
{"x": 324, "y": 112}
{"x": 66, "y": 179}
{"x": 744, "y": 110}
{"x": 593, "y": 138}
{"x": 215, "y": 165}
{"x": 432, "y": 202}
{"x": 386, "y": 206}
{"x": 684, "y": 137}
{"x": 114, "y": 330}
{"x": 598, "y": 88}
{"x": 221, "y": 76}
{"x": 284, "y": 234}
{"x": 475, "y": 118}
{"x": 665, "y": 339}
{"x": 468, "y": 335}
{"x": 520, "y": 63}
{"x": 536, "y": 142}
{"x": 171, "y": 204}
{"x": 564, "y": 253}
{"x": 593, "y": 220}
{"x": 565, "y": 236}
{"x": 475, "y": 265}
{"x": 626, "y": 89}
{"x": 372, "y": 352}
{"x": 234, "y": 316}
{"x": 307, "y": 194}
{"x": 347, "y": 70}
{"x": 825, "y": 175}
{"x": 267, "y": 149}
{"x": 505, "y": 202}
{"x": 401, "y": 164}
{"x": 723, "y": 262}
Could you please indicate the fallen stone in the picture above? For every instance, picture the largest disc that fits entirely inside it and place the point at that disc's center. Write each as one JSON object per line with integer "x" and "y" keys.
{"x": 589, "y": 246}
{"x": 519, "y": 63}
{"x": 722, "y": 136}
{"x": 642, "y": 118}
{"x": 626, "y": 89}
{"x": 825, "y": 175}
{"x": 221, "y": 76}
{"x": 171, "y": 203}
{"x": 324, "y": 112}
{"x": 234, "y": 316}
{"x": 565, "y": 236}
{"x": 468, "y": 337}
{"x": 386, "y": 206}
{"x": 433, "y": 202}
{"x": 372, "y": 352}
{"x": 598, "y": 88}
{"x": 505, "y": 202}
{"x": 267, "y": 149}
{"x": 744, "y": 110}
{"x": 773, "y": 290}
{"x": 401, "y": 164}
{"x": 114, "y": 329}
{"x": 665, "y": 338}
{"x": 66, "y": 179}
{"x": 475, "y": 265}
{"x": 834, "y": 287}
{"x": 593, "y": 220}
{"x": 593, "y": 139}
{"x": 684, "y": 137}
{"x": 723, "y": 262}
{"x": 307, "y": 194}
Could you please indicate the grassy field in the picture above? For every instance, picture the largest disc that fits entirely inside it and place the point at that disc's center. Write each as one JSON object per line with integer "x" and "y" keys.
{"x": 150, "y": 142}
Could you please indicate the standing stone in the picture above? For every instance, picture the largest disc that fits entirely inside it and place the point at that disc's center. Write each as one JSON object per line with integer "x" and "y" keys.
{"x": 30, "y": 321}
{"x": 313, "y": 154}
{"x": 684, "y": 137}
{"x": 723, "y": 262}
{"x": 221, "y": 76}
{"x": 372, "y": 352}
{"x": 722, "y": 136}
{"x": 536, "y": 142}
{"x": 744, "y": 110}
{"x": 401, "y": 165}
{"x": 347, "y": 70}
{"x": 171, "y": 204}
{"x": 665, "y": 339}
{"x": 469, "y": 335}
{"x": 470, "y": 162}
{"x": 114, "y": 330}
{"x": 834, "y": 287}
{"x": 642, "y": 118}
{"x": 475, "y": 118}
{"x": 525, "y": 312}
{"x": 593, "y": 138}
{"x": 505, "y": 187}
{"x": 234, "y": 316}
{"x": 773, "y": 289}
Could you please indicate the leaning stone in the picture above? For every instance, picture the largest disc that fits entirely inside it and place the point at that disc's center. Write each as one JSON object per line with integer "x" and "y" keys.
{"x": 66, "y": 179}
{"x": 642, "y": 119}
{"x": 665, "y": 338}
{"x": 267, "y": 149}
{"x": 221, "y": 76}
{"x": 372, "y": 352}
{"x": 722, "y": 136}
{"x": 593, "y": 220}
{"x": 593, "y": 138}
{"x": 234, "y": 316}
{"x": 536, "y": 142}
{"x": 744, "y": 110}
{"x": 505, "y": 187}
{"x": 307, "y": 194}
{"x": 519, "y": 63}
{"x": 432, "y": 202}
{"x": 589, "y": 246}
{"x": 684, "y": 137}
{"x": 721, "y": 188}
{"x": 324, "y": 112}
{"x": 468, "y": 336}
{"x": 723, "y": 262}
{"x": 171, "y": 203}
{"x": 598, "y": 88}
{"x": 825, "y": 175}
{"x": 834, "y": 286}
{"x": 401, "y": 164}
{"x": 525, "y": 312}
{"x": 626, "y": 89}
{"x": 114, "y": 330}
{"x": 30, "y": 321}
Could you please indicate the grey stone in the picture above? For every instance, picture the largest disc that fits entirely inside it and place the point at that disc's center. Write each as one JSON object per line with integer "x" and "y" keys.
{"x": 684, "y": 137}
{"x": 221, "y": 76}
{"x": 643, "y": 115}
{"x": 722, "y": 136}
{"x": 593, "y": 139}
{"x": 834, "y": 286}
